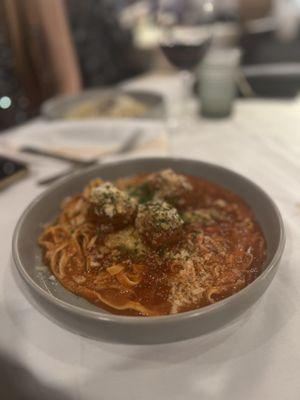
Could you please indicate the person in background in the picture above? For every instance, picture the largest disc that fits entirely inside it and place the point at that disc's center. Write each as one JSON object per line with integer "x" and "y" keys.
{"x": 58, "y": 47}
{"x": 104, "y": 48}
{"x": 41, "y": 59}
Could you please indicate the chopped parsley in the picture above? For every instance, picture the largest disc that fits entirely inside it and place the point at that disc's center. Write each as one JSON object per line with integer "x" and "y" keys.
{"x": 142, "y": 192}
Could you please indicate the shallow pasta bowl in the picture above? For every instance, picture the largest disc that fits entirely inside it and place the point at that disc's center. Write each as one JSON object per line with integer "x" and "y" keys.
{"x": 78, "y": 315}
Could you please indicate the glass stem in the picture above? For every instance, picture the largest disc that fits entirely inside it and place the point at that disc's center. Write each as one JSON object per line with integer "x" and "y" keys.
{"x": 186, "y": 92}
{"x": 179, "y": 120}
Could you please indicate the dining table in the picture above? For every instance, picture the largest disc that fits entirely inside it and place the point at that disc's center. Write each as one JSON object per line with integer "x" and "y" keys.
{"x": 258, "y": 359}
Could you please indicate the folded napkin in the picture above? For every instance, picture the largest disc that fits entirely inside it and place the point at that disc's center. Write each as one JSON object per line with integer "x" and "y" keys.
{"x": 88, "y": 139}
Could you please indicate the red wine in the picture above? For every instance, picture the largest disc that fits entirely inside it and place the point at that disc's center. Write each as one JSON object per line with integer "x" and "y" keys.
{"x": 185, "y": 55}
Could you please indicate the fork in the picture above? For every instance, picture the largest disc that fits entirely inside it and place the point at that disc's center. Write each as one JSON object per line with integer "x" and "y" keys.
{"x": 128, "y": 145}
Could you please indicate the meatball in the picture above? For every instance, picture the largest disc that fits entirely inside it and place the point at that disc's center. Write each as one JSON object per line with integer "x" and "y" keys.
{"x": 158, "y": 223}
{"x": 171, "y": 187}
{"x": 111, "y": 206}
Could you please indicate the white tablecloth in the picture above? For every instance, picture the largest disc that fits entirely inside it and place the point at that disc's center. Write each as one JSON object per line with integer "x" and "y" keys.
{"x": 260, "y": 360}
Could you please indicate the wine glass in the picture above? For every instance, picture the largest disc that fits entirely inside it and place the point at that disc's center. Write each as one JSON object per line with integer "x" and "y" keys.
{"x": 185, "y": 36}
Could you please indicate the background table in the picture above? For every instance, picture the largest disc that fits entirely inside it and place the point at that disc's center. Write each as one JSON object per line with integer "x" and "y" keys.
{"x": 260, "y": 360}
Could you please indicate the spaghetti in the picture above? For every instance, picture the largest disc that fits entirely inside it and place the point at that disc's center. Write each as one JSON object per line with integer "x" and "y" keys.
{"x": 154, "y": 244}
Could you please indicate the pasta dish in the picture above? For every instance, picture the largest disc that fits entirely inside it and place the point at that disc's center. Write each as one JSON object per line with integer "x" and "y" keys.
{"x": 154, "y": 244}
{"x": 122, "y": 106}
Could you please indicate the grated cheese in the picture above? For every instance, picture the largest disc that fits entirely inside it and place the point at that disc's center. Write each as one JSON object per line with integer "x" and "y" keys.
{"x": 112, "y": 202}
{"x": 169, "y": 186}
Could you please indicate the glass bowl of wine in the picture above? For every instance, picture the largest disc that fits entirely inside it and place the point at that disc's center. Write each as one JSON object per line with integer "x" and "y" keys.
{"x": 185, "y": 28}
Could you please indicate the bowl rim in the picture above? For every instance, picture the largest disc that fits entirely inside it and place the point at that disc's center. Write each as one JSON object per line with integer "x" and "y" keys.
{"x": 143, "y": 320}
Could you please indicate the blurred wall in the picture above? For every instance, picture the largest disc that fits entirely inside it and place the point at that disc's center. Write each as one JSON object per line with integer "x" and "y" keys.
{"x": 247, "y": 9}
{"x": 254, "y": 9}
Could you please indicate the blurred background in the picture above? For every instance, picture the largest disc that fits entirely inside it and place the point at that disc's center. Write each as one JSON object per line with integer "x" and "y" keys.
{"x": 85, "y": 81}
{"x": 61, "y": 47}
